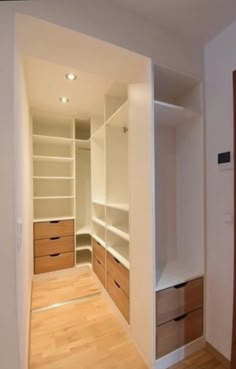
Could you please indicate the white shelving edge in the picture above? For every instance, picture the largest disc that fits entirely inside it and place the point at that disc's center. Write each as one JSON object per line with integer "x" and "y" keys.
{"x": 120, "y": 116}
{"x": 99, "y": 221}
{"x": 118, "y": 206}
{"x": 83, "y": 230}
{"x": 118, "y": 232}
{"x": 172, "y": 115}
{"x": 38, "y": 220}
{"x": 99, "y": 240}
{"x": 82, "y": 248}
{"x": 53, "y": 197}
{"x": 82, "y": 144}
{"x": 52, "y": 139}
{"x": 52, "y": 158}
{"x": 46, "y": 177}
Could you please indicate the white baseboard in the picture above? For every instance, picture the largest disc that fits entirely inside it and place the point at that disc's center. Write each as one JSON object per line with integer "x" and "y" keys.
{"x": 180, "y": 354}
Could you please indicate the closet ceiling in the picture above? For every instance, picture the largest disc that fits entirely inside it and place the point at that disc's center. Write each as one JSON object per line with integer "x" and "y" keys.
{"x": 196, "y": 20}
{"x": 46, "y": 83}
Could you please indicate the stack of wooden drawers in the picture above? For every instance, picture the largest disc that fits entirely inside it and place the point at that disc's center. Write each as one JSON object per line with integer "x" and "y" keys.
{"x": 99, "y": 258}
{"x": 53, "y": 246}
{"x": 179, "y": 316}
{"x": 114, "y": 277}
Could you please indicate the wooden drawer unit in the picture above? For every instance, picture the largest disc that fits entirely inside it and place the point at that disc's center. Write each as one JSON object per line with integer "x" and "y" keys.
{"x": 99, "y": 269}
{"x": 56, "y": 228}
{"x": 99, "y": 252}
{"x": 118, "y": 296}
{"x": 54, "y": 245}
{"x": 176, "y": 301}
{"x": 178, "y": 332}
{"x": 54, "y": 262}
{"x": 118, "y": 272}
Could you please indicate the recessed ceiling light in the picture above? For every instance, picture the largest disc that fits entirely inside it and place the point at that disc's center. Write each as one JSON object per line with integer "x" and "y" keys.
{"x": 64, "y": 99}
{"x": 71, "y": 76}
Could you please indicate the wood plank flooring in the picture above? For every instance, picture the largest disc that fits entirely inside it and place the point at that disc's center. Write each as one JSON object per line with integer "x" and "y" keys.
{"x": 57, "y": 287}
{"x": 85, "y": 334}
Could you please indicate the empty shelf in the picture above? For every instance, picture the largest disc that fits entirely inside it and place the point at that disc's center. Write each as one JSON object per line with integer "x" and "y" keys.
{"x": 51, "y": 219}
{"x": 86, "y": 229}
{"x": 172, "y": 115}
{"x": 82, "y": 144}
{"x": 99, "y": 221}
{"x": 119, "y": 206}
{"x": 120, "y": 231}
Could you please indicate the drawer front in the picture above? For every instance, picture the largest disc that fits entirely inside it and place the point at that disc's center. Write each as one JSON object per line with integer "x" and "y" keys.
{"x": 179, "y": 332}
{"x": 118, "y": 272}
{"x": 118, "y": 296}
{"x": 174, "y": 302}
{"x": 99, "y": 252}
{"x": 99, "y": 270}
{"x": 54, "y": 245}
{"x": 46, "y": 264}
{"x": 60, "y": 228}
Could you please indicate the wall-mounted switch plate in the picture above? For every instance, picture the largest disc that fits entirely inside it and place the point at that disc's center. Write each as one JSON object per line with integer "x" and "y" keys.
{"x": 225, "y": 161}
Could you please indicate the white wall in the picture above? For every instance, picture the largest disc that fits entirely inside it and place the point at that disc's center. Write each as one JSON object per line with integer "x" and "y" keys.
{"x": 9, "y": 353}
{"x": 220, "y": 61}
{"x": 23, "y": 208}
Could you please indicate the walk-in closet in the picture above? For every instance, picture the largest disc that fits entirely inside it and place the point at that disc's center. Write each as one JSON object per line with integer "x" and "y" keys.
{"x": 117, "y": 182}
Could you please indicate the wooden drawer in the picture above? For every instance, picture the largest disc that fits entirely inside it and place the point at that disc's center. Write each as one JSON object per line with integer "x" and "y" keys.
{"x": 98, "y": 269}
{"x": 179, "y": 332}
{"x": 99, "y": 251}
{"x": 46, "y": 264}
{"x": 118, "y": 296}
{"x": 176, "y": 301}
{"x": 54, "y": 245}
{"x": 56, "y": 228}
{"x": 118, "y": 272}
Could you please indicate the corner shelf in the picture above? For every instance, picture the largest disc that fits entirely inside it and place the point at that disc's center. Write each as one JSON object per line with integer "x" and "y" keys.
{"x": 99, "y": 240}
{"x": 118, "y": 206}
{"x": 52, "y": 158}
{"x": 38, "y": 220}
{"x": 82, "y": 144}
{"x": 82, "y": 248}
{"x": 52, "y": 197}
{"x": 99, "y": 221}
{"x": 86, "y": 229}
{"x": 172, "y": 115}
{"x": 52, "y": 139}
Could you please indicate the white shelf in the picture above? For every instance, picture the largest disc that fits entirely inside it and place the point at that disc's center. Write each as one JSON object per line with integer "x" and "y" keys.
{"x": 121, "y": 253}
{"x": 99, "y": 240}
{"x": 43, "y": 177}
{"x": 51, "y": 139}
{"x": 82, "y": 248}
{"x": 99, "y": 221}
{"x": 82, "y": 144}
{"x": 175, "y": 273}
{"x": 172, "y": 115}
{"x": 100, "y": 203}
{"x": 118, "y": 206}
{"x": 52, "y": 158}
{"x": 38, "y": 220}
{"x": 53, "y": 197}
{"x": 86, "y": 229}
{"x": 120, "y": 231}
{"x": 120, "y": 117}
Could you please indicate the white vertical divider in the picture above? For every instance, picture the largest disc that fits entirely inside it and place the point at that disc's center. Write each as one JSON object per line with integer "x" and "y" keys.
{"x": 142, "y": 215}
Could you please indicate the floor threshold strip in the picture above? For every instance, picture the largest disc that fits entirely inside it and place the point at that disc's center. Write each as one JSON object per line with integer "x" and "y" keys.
{"x": 68, "y": 302}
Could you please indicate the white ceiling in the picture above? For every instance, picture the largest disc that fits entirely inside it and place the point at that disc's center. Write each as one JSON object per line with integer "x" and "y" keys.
{"x": 194, "y": 20}
{"x": 46, "y": 82}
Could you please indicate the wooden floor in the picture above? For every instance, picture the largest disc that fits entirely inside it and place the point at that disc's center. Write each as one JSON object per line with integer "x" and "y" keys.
{"x": 85, "y": 334}
{"x": 53, "y": 288}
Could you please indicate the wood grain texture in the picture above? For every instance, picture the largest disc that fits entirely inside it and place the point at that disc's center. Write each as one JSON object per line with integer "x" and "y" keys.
{"x": 52, "y": 246}
{"x": 221, "y": 358}
{"x": 98, "y": 269}
{"x": 61, "y": 286}
{"x": 51, "y": 263}
{"x": 118, "y": 272}
{"x": 200, "y": 360}
{"x": 174, "y": 302}
{"x": 84, "y": 335}
{"x": 177, "y": 333}
{"x": 51, "y": 229}
{"x": 118, "y": 296}
{"x": 99, "y": 252}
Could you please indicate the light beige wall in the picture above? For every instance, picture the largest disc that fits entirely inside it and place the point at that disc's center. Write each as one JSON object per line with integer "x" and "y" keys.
{"x": 9, "y": 352}
{"x": 23, "y": 209}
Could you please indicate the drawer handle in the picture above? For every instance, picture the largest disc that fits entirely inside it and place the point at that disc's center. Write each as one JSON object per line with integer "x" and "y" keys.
{"x": 98, "y": 261}
{"x": 180, "y": 285}
{"x": 54, "y": 221}
{"x": 54, "y": 238}
{"x": 54, "y": 255}
{"x": 117, "y": 284}
{"x": 180, "y": 318}
{"x": 98, "y": 243}
{"x": 116, "y": 260}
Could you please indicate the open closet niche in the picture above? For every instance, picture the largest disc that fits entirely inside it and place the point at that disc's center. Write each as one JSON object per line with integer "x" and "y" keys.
{"x": 179, "y": 210}
{"x": 83, "y": 193}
